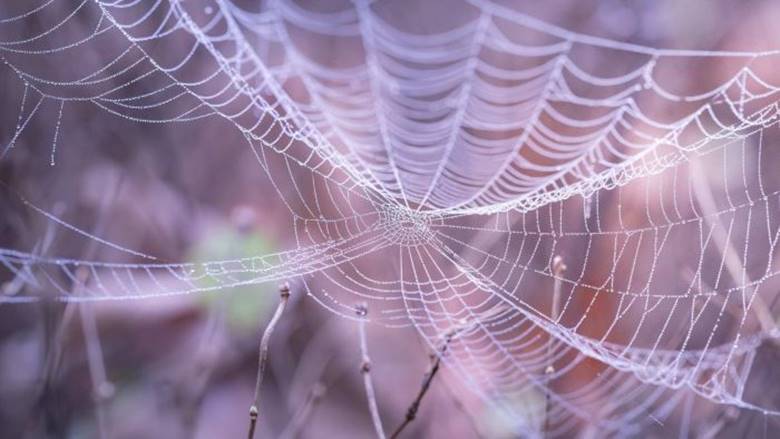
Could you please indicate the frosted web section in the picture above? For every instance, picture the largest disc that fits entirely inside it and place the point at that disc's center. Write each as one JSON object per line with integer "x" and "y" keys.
{"x": 413, "y": 112}
{"x": 258, "y": 109}
{"x": 499, "y": 89}
{"x": 666, "y": 326}
{"x": 71, "y": 280}
{"x": 438, "y": 175}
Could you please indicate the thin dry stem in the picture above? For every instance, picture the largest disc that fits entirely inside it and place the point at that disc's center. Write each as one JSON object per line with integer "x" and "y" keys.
{"x": 414, "y": 407}
{"x": 558, "y": 267}
{"x": 102, "y": 388}
{"x": 472, "y": 420}
{"x": 731, "y": 308}
{"x": 365, "y": 370}
{"x": 311, "y": 367}
{"x": 701, "y": 190}
{"x": 315, "y": 395}
{"x": 284, "y": 296}
{"x": 193, "y": 386}
{"x": 717, "y": 427}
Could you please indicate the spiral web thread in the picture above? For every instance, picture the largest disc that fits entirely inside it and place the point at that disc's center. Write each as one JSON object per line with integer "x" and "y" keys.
{"x": 469, "y": 156}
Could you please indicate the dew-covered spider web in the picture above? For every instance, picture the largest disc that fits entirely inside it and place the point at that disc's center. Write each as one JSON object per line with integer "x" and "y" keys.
{"x": 435, "y": 168}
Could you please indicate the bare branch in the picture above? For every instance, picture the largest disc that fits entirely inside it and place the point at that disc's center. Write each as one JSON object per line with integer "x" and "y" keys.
{"x": 102, "y": 388}
{"x": 703, "y": 194}
{"x": 457, "y": 330}
{"x": 365, "y": 370}
{"x": 472, "y": 420}
{"x": 414, "y": 407}
{"x": 558, "y": 267}
{"x": 302, "y": 415}
{"x": 284, "y": 296}
{"x": 192, "y": 387}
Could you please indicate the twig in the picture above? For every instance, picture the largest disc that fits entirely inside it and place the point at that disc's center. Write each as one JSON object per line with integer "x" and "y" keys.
{"x": 719, "y": 424}
{"x": 311, "y": 367}
{"x": 284, "y": 296}
{"x": 365, "y": 370}
{"x": 731, "y": 308}
{"x": 721, "y": 237}
{"x": 472, "y": 421}
{"x": 192, "y": 388}
{"x": 558, "y": 267}
{"x": 18, "y": 282}
{"x": 103, "y": 389}
{"x": 302, "y": 415}
{"x": 414, "y": 407}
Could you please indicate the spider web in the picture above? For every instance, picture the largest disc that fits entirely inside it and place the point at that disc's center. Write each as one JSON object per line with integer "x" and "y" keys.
{"x": 469, "y": 155}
